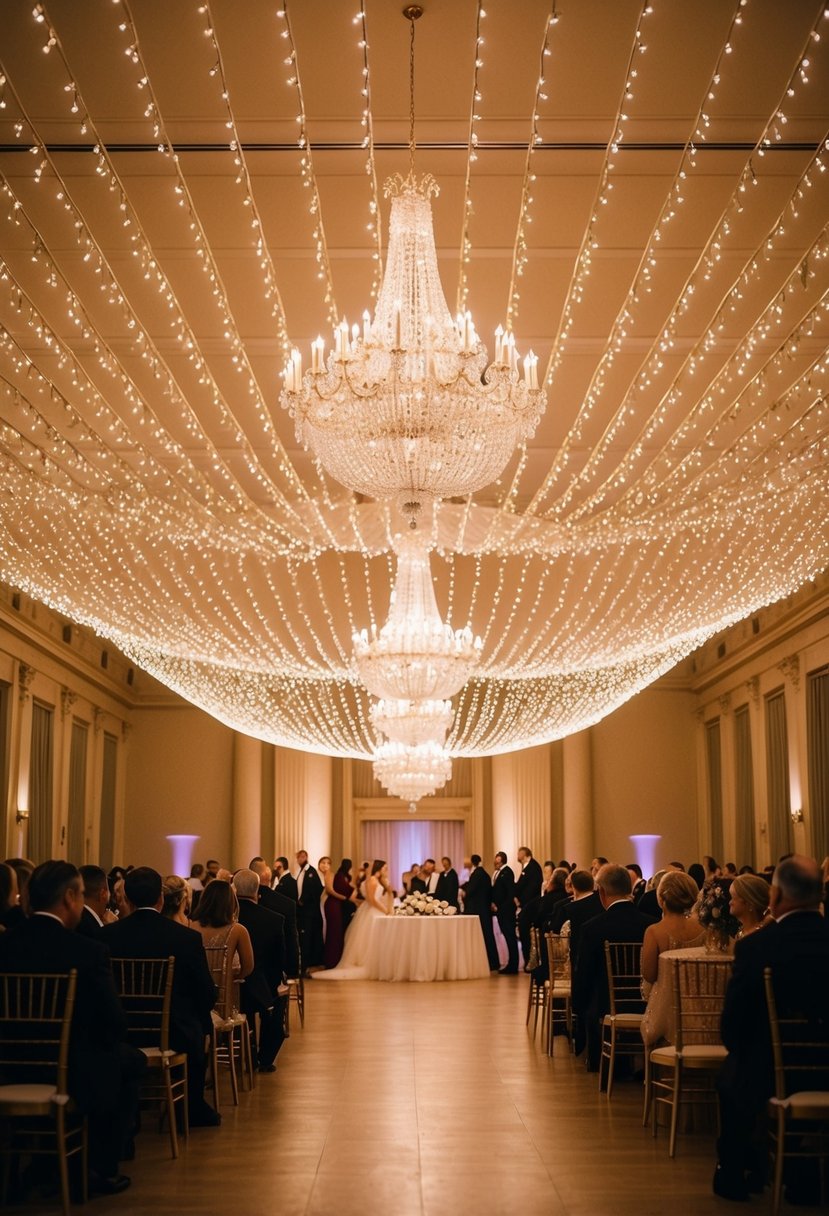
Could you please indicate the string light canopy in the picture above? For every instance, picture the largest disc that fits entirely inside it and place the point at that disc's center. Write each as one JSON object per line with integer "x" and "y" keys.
{"x": 411, "y": 409}
{"x": 185, "y": 198}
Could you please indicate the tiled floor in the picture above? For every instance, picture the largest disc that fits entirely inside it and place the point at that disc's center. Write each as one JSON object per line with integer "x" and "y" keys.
{"x": 423, "y": 1100}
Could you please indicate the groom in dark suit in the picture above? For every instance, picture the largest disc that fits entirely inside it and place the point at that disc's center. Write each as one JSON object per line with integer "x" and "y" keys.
{"x": 478, "y": 902}
{"x": 309, "y": 912}
{"x": 503, "y": 905}
{"x": 796, "y": 948}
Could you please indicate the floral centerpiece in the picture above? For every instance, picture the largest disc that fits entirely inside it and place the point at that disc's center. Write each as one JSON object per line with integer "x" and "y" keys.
{"x": 712, "y": 908}
{"x": 424, "y": 905}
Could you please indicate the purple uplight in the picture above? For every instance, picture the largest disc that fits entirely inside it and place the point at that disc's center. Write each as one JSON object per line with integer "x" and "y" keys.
{"x": 182, "y": 853}
{"x": 645, "y": 847}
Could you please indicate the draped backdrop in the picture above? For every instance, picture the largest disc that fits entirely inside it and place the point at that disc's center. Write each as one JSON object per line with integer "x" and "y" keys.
{"x": 400, "y": 842}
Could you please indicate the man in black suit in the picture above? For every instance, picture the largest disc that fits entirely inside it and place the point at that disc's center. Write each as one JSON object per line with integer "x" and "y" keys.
{"x": 503, "y": 905}
{"x": 309, "y": 912}
{"x": 145, "y": 933}
{"x": 478, "y": 902}
{"x": 620, "y": 921}
{"x": 276, "y": 901}
{"x": 429, "y": 876}
{"x": 260, "y": 991}
{"x": 527, "y": 888}
{"x": 283, "y": 879}
{"x": 447, "y": 885}
{"x": 104, "y": 1071}
{"x": 417, "y": 883}
{"x": 638, "y": 883}
{"x": 96, "y": 911}
{"x": 796, "y": 947}
{"x": 584, "y": 905}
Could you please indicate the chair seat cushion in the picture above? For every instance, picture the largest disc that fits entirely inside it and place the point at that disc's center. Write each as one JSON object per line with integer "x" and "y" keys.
{"x": 28, "y": 1097}
{"x": 694, "y": 1053}
{"x": 805, "y": 1104}
{"x": 627, "y": 1021}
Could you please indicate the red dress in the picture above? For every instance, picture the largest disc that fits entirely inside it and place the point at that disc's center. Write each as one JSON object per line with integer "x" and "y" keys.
{"x": 334, "y": 921}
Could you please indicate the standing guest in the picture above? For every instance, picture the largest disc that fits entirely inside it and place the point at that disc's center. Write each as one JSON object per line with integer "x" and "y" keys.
{"x": 527, "y": 888}
{"x": 343, "y": 884}
{"x": 261, "y": 992}
{"x": 284, "y": 880}
{"x": 275, "y": 900}
{"x": 332, "y": 910}
{"x": 430, "y": 876}
{"x": 412, "y": 884}
{"x": 212, "y": 868}
{"x": 697, "y": 872}
{"x": 749, "y": 902}
{"x": 729, "y": 870}
{"x": 596, "y": 864}
{"x": 147, "y": 934}
{"x": 795, "y": 945}
{"x": 620, "y": 921}
{"x": 104, "y": 1071}
{"x": 194, "y": 882}
{"x": 178, "y": 896}
{"x": 447, "y": 886}
{"x": 679, "y": 928}
{"x": 478, "y": 902}
{"x": 11, "y": 913}
{"x": 503, "y": 905}
{"x": 712, "y": 869}
{"x": 96, "y": 910}
{"x": 309, "y": 912}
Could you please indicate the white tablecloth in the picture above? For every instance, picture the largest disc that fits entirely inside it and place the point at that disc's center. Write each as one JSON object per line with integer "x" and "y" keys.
{"x": 427, "y": 948}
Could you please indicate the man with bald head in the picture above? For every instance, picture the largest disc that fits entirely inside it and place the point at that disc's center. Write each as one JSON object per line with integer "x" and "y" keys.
{"x": 796, "y": 947}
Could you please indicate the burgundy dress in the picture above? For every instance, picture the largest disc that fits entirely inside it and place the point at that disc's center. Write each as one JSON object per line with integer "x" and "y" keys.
{"x": 335, "y": 922}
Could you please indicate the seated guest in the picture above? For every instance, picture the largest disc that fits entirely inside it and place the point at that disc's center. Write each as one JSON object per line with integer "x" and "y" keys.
{"x": 620, "y": 921}
{"x": 697, "y": 872}
{"x": 11, "y": 913}
{"x": 554, "y": 894}
{"x": 147, "y": 934}
{"x": 796, "y": 947}
{"x": 750, "y": 902}
{"x": 178, "y": 895}
{"x": 217, "y": 922}
{"x": 280, "y": 900}
{"x": 96, "y": 912}
{"x": 194, "y": 882}
{"x": 104, "y": 1071}
{"x": 679, "y": 928}
{"x": 23, "y": 869}
{"x": 583, "y": 907}
{"x": 635, "y": 870}
{"x": 260, "y": 991}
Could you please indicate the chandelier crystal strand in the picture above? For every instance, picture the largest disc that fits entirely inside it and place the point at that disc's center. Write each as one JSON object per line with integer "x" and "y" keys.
{"x": 412, "y": 773}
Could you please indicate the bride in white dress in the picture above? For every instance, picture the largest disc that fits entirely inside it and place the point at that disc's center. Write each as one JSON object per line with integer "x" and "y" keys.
{"x": 378, "y": 902}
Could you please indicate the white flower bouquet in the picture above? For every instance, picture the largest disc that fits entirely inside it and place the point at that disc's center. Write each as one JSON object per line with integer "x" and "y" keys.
{"x": 423, "y": 905}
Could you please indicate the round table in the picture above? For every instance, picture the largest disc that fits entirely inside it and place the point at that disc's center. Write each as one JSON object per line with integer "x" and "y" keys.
{"x": 427, "y": 948}
{"x": 658, "y": 1023}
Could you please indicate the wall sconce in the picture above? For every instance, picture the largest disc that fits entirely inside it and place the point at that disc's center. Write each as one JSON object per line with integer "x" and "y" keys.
{"x": 21, "y": 815}
{"x": 797, "y": 814}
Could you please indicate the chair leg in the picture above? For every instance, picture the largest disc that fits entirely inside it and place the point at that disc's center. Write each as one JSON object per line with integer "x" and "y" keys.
{"x": 675, "y": 1107}
{"x": 648, "y": 1095}
{"x": 300, "y": 997}
{"x": 84, "y": 1161}
{"x": 611, "y": 1071}
{"x": 171, "y": 1110}
{"x": 214, "y": 1068}
{"x": 185, "y": 1119}
{"x": 779, "y": 1154}
{"x": 63, "y": 1164}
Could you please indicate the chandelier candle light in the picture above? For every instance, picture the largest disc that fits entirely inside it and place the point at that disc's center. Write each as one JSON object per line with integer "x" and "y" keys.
{"x": 409, "y": 408}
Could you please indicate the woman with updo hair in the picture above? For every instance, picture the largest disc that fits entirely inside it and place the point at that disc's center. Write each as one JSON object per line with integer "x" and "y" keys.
{"x": 177, "y": 896}
{"x": 679, "y": 928}
{"x": 749, "y": 903}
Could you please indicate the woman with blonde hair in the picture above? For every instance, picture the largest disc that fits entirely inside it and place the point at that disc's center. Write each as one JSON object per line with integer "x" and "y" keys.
{"x": 679, "y": 928}
{"x": 177, "y": 895}
{"x": 750, "y": 903}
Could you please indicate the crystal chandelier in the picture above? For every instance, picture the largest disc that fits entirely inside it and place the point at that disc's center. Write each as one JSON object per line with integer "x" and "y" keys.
{"x": 412, "y": 773}
{"x": 412, "y": 722}
{"x": 410, "y": 408}
{"x": 415, "y": 656}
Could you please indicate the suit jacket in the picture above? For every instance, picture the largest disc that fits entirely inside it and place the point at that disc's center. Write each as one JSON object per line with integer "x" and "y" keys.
{"x": 42, "y": 943}
{"x": 579, "y": 913}
{"x": 267, "y": 935}
{"x": 88, "y": 926}
{"x": 147, "y": 934}
{"x": 287, "y": 886}
{"x": 622, "y": 922}
{"x": 546, "y": 906}
{"x": 312, "y": 888}
{"x": 503, "y": 892}
{"x": 797, "y": 950}
{"x": 648, "y": 905}
{"x": 528, "y": 883}
{"x": 447, "y": 887}
{"x": 285, "y": 907}
{"x": 417, "y": 885}
{"x": 639, "y": 889}
{"x": 478, "y": 901}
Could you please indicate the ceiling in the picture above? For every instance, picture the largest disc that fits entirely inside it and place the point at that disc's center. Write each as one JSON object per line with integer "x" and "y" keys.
{"x": 189, "y": 189}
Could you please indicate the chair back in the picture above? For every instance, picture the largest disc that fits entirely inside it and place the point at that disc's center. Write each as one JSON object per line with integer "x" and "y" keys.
{"x": 624, "y": 977}
{"x": 699, "y": 986}
{"x": 534, "y": 959}
{"x": 217, "y": 962}
{"x": 35, "y": 1026}
{"x": 799, "y": 1044}
{"x": 145, "y": 986}
{"x": 558, "y": 957}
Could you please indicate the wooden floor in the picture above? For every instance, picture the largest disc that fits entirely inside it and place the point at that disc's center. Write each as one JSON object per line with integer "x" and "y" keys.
{"x": 423, "y": 1100}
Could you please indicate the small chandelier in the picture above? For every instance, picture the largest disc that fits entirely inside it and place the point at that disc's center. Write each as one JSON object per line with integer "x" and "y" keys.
{"x": 412, "y": 773}
{"x": 409, "y": 408}
{"x": 412, "y": 722}
{"x": 416, "y": 656}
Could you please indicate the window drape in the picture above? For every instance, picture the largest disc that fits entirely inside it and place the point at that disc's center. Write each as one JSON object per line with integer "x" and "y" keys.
{"x": 744, "y": 788}
{"x": 41, "y": 784}
{"x": 817, "y": 736}
{"x": 777, "y": 776}
{"x": 106, "y": 846}
{"x": 76, "y": 842}
{"x": 713, "y": 751}
{"x": 400, "y": 842}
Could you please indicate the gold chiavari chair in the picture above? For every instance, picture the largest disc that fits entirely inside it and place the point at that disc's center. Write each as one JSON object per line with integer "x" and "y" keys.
{"x": 621, "y": 1026}
{"x": 559, "y": 1006}
{"x": 230, "y": 1036}
{"x": 537, "y": 997}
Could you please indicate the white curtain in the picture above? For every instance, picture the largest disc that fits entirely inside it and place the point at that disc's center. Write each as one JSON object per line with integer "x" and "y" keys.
{"x": 522, "y": 802}
{"x": 76, "y": 842}
{"x": 41, "y": 780}
{"x": 744, "y": 787}
{"x": 777, "y": 776}
{"x": 714, "y": 772}
{"x": 817, "y": 734}
{"x": 400, "y": 842}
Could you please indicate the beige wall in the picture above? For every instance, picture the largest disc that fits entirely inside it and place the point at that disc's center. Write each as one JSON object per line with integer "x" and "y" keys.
{"x": 645, "y": 777}
{"x": 179, "y": 779}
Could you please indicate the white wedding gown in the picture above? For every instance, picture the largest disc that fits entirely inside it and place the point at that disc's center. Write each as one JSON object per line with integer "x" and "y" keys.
{"x": 354, "y": 963}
